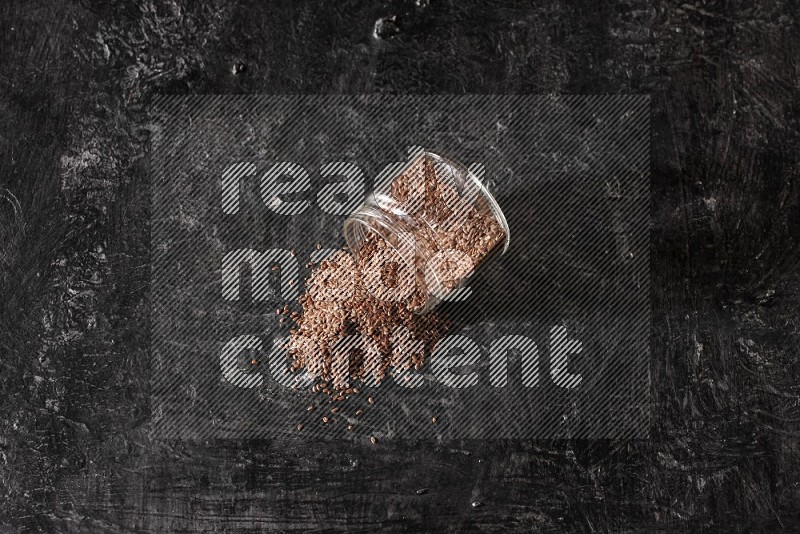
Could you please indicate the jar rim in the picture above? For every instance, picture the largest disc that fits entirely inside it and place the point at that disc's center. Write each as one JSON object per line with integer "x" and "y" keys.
{"x": 373, "y": 218}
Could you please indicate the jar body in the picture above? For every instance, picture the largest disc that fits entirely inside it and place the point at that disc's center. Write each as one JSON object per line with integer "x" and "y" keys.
{"x": 438, "y": 221}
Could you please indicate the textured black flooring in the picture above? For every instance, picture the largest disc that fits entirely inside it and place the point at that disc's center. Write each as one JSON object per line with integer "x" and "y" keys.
{"x": 75, "y": 80}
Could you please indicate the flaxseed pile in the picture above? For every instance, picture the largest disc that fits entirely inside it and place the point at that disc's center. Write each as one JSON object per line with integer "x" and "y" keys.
{"x": 359, "y": 317}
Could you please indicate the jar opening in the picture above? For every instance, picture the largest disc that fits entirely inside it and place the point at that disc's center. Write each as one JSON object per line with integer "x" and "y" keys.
{"x": 370, "y": 219}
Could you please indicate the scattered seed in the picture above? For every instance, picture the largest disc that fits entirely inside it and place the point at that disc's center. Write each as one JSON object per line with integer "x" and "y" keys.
{"x": 325, "y": 419}
{"x": 299, "y": 426}
{"x": 335, "y": 409}
{"x": 310, "y": 408}
{"x": 350, "y": 428}
{"x": 422, "y": 491}
{"x": 359, "y": 413}
{"x": 370, "y": 400}
{"x": 373, "y": 439}
{"x": 434, "y": 420}
{"x": 424, "y": 195}
{"x": 476, "y": 504}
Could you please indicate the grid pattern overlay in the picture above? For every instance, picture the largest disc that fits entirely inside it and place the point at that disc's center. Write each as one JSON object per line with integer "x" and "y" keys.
{"x": 557, "y": 329}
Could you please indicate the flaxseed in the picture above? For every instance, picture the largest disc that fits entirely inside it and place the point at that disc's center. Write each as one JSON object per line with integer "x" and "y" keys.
{"x": 361, "y": 312}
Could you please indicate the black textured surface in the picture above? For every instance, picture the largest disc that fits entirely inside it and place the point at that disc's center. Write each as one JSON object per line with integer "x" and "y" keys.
{"x": 75, "y": 452}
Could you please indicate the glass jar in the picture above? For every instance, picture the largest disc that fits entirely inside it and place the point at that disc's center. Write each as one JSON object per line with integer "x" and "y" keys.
{"x": 438, "y": 222}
